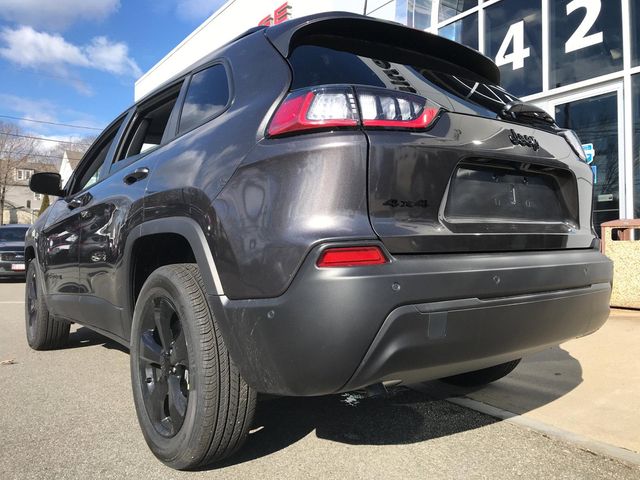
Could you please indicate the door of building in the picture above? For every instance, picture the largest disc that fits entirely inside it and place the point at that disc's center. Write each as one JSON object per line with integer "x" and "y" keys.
{"x": 596, "y": 115}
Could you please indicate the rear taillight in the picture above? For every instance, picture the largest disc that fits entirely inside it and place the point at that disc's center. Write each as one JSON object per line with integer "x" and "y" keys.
{"x": 315, "y": 109}
{"x": 349, "y": 107}
{"x": 382, "y": 108}
{"x": 572, "y": 139}
{"x": 351, "y": 257}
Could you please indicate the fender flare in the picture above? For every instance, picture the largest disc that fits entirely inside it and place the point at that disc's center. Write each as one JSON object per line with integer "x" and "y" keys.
{"x": 193, "y": 233}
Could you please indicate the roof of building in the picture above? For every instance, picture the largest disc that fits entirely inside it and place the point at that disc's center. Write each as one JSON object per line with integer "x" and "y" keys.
{"x": 38, "y": 167}
{"x": 74, "y": 157}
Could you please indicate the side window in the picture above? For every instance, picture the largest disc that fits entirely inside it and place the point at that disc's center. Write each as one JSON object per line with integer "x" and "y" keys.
{"x": 206, "y": 97}
{"x": 149, "y": 125}
{"x": 89, "y": 170}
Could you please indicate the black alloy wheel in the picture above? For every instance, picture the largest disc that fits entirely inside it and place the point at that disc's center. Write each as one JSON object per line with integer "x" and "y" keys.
{"x": 44, "y": 332}
{"x": 193, "y": 406}
{"x": 32, "y": 303}
{"x": 164, "y": 367}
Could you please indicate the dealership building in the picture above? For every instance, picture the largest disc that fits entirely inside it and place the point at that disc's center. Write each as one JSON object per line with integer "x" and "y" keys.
{"x": 577, "y": 59}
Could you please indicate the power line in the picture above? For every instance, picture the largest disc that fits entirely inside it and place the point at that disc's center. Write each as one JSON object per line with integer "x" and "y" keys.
{"x": 58, "y": 157}
{"x": 45, "y": 139}
{"x": 50, "y": 123}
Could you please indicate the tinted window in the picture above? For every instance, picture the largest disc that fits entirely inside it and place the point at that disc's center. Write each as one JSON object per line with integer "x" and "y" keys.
{"x": 315, "y": 65}
{"x": 513, "y": 32}
{"x": 207, "y": 95}
{"x": 16, "y": 234}
{"x": 586, "y": 39}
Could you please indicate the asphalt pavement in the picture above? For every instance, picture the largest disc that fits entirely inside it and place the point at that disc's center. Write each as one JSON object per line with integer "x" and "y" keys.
{"x": 69, "y": 414}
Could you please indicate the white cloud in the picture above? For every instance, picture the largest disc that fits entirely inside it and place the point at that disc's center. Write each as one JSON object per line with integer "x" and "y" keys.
{"x": 27, "y": 47}
{"x": 29, "y": 108}
{"x": 56, "y": 14}
{"x": 197, "y": 9}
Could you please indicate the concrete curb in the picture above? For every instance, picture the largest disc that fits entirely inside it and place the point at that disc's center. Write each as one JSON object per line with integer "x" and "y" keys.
{"x": 523, "y": 421}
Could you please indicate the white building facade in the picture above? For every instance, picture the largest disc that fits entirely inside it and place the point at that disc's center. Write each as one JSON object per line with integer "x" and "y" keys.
{"x": 578, "y": 59}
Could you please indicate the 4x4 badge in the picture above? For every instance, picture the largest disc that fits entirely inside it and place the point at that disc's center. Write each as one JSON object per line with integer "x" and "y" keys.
{"x": 524, "y": 140}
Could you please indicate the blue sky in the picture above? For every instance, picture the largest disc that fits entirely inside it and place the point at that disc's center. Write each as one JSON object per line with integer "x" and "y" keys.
{"x": 75, "y": 61}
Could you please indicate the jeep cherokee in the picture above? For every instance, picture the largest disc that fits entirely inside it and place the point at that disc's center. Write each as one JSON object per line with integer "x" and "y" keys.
{"x": 319, "y": 206}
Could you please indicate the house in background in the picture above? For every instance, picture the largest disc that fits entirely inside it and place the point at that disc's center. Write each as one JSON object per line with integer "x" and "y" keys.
{"x": 70, "y": 160}
{"x": 21, "y": 205}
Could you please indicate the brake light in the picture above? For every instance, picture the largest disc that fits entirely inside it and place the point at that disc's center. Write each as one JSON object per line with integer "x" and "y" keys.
{"x": 349, "y": 107}
{"x": 351, "y": 257}
{"x": 318, "y": 108}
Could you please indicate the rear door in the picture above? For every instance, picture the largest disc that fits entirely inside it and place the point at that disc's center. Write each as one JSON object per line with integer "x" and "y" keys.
{"x": 114, "y": 209}
{"x": 474, "y": 180}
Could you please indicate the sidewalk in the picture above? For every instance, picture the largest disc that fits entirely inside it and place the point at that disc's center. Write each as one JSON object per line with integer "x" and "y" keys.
{"x": 589, "y": 386}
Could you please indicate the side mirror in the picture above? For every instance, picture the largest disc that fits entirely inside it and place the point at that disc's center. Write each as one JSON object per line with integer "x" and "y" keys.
{"x": 46, "y": 183}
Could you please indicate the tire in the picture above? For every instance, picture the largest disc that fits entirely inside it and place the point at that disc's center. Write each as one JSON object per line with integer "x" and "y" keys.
{"x": 43, "y": 331}
{"x": 193, "y": 406}
{"x": 484, "y": 376}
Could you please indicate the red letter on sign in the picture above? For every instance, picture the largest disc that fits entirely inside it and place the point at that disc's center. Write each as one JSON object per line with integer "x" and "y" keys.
{"x": 282, "y": 13}
{"x": 266, "y": 21}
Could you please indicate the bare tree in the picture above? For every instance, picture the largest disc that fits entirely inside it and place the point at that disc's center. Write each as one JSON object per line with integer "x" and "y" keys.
{"x": 15, "y": 150}
{"x": 80, "y": 144}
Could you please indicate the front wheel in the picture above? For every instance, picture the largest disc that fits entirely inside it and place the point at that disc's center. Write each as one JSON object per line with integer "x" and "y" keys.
{"x": 484, "y": 376}
{"x": 193, "y": 406}
{"x": 43, "y": 331}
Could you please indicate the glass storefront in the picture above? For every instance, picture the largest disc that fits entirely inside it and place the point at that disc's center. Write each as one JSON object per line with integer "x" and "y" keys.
{"x": 572, "y": 57}
{"x": 595, "y": 120}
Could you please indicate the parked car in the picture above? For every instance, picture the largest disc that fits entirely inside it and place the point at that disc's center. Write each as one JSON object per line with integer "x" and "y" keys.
{"x": 317, "y": 207}
{"x": 12, "y": 250}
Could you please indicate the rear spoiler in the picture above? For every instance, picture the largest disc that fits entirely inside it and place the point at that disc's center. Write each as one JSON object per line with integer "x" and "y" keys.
{"x": 453, "y": 56}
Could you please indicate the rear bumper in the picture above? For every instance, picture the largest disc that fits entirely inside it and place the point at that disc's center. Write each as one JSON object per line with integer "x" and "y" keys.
{"x": 417, "y": 318}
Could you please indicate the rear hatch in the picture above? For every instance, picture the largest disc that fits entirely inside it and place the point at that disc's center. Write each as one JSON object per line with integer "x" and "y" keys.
{"x": 482, "y": 172}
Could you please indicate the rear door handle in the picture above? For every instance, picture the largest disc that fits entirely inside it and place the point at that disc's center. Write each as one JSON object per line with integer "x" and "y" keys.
{"x": 137, "y": 174}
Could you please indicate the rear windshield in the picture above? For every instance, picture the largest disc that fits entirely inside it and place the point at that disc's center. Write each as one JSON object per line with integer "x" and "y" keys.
{"x": 314, "y": 65}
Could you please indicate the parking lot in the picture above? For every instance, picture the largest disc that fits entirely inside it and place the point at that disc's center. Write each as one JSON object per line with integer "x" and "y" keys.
{"x": 69, "y": 414}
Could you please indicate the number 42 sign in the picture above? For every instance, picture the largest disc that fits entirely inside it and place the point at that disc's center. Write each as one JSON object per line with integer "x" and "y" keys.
{"x": 514, "y": 40}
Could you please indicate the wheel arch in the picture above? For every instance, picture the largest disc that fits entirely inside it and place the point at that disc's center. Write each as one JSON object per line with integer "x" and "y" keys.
{"x": 176, "y": 232}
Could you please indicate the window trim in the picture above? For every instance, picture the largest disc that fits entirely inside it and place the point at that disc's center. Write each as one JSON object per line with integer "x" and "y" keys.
{"x": 122, "y": 120}
{"x": 230, "y": 86}
{"x": 177, "y": 86}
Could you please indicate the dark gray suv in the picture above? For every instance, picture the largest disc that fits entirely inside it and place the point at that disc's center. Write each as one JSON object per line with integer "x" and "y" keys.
{"x": 320, "y": 206}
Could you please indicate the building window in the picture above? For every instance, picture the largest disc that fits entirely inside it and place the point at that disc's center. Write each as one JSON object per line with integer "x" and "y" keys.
{"x": 513, "y": 39}
{"x": 23, "y": 174}
{"x": 37, "y": 196}
{"x": 586, "y": 40}
{"x": 463, "y": 31}
{"x": 451, "y": 8}
{"x": 636, "y": 144}
{"x": 635, "y": 32}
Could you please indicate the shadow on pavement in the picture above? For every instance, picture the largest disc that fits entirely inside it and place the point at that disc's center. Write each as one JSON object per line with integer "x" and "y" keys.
{"x": 406, "y": 415}
{"x": 12, "y": 280}
{"x": 85, "y": 337}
